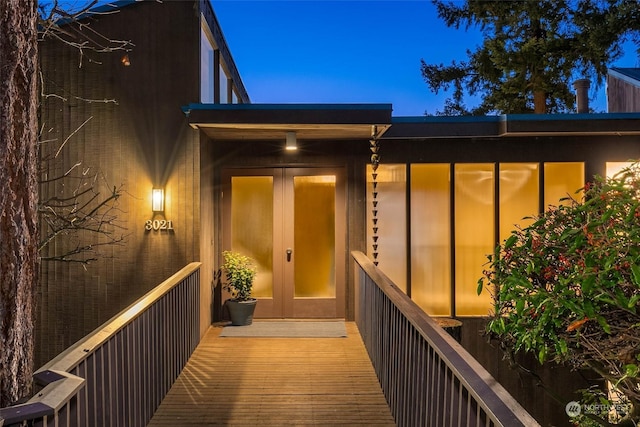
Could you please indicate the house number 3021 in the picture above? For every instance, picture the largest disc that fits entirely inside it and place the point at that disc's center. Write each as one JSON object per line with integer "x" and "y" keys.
{"x": 158, "y": 224}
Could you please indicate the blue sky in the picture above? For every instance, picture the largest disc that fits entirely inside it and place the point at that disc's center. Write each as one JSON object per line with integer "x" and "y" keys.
{"x": 339, "y": 51}
{"x": 343, "y": 51}
{"x": 346, "y": 51}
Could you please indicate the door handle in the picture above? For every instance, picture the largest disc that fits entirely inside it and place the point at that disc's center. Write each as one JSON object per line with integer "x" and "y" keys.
{"x": 289, "y": 252}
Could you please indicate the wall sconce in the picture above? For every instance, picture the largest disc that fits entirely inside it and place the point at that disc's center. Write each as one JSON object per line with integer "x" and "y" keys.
{"x": 291, "y": 143}
{"x": 157, "y": 200}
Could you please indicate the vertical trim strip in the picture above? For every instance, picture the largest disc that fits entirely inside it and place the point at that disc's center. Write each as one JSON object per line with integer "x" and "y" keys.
{"x": 407, "y": 184}
{"x": 452, "y": 219}
{"x": 216, "y": 76}
{"x": 541, "y": 189}
{"x": 496, "y": 204}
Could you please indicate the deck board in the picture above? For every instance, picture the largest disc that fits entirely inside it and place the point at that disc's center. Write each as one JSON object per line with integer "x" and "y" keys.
{"x": 274, "y": 382}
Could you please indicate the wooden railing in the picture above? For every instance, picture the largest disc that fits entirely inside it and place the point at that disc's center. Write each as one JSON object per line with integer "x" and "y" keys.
{"x": 426, "y": 376}
{"x": 119, "y": 374}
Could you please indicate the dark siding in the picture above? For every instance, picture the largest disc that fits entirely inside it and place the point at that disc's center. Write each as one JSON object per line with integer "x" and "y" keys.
{"x": 141, "y": 141}
{"x": 207, "y": 235}
{"x": 594, "y": 150}
{"x": 524, "y": 387}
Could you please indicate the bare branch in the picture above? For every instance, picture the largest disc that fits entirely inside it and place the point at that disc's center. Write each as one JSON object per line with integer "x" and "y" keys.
{"x": 73, "y": 28}
{"x": 78, "y": 217}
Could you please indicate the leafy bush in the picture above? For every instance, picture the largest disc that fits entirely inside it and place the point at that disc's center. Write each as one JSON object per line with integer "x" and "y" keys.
{"x": 567, "y": 287}
{"x": 240, "y": 272}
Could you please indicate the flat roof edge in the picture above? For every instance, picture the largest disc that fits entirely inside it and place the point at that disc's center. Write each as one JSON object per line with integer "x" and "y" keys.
{"x": 514, "y": 118}
{"x": 275, "y": 107}
{"x": 569, "y": 117}
{"x": 292, "y": 114}
{"x": 445, "y": 119}
{"x": 513, "y": 125}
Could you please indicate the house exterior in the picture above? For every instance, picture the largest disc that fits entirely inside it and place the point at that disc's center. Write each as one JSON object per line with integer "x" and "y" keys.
{"x": 623, "y": 90}
{"x": 141, "y": 141}
{"x": 426, "y": 197}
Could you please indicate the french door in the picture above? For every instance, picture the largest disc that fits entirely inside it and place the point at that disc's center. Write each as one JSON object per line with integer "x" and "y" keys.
{"x": 291, "y": 221}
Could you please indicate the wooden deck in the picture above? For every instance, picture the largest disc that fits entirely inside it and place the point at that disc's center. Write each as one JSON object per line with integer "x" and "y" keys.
{"x": 275, "y": 382}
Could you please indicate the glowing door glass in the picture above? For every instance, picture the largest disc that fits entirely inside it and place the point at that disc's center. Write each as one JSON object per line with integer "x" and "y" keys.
{"x": 252, "y": 227}
{"x": 314, "y": 230}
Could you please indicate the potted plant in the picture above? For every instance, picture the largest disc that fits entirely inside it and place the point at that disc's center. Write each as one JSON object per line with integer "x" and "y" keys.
{"x": 239, "y": 271}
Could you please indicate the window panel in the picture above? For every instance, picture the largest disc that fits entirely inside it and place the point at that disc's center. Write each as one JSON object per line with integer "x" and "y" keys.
{"x": 562, "y": 180}
{"x": 392, "y": 229}
{"x": 474, "y": 234}
{"x": 519, "y": 189}
{"x": 613, "y": 168}
{"x": 223, "y": 86}
{"x": 431, "y": 238}
{"x": 474, "y": 223}
{"x": 206, "y": 68}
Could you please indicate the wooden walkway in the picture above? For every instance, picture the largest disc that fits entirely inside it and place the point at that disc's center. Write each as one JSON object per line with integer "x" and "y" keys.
{"x": 276, "y": 382}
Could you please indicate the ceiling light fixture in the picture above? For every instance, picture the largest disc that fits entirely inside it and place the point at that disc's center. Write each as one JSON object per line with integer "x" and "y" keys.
{"x": 291, "y": 142}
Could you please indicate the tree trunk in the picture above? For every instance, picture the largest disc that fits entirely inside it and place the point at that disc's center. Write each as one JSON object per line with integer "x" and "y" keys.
{"x": 18, "y": 196}
{"x": 539, "y": 102}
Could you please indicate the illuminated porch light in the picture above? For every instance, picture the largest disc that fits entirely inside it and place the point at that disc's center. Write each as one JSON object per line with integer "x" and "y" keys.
{"x": 157, "y": 200}
{"x": 291, "y": 143}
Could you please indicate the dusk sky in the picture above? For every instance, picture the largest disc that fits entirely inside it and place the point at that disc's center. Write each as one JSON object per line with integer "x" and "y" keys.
{"x": 339, "y": 51}
{"x": 346, "y": 51}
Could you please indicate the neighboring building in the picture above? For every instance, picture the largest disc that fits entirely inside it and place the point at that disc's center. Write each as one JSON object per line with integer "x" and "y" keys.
{"x": 623, "y": 90}
{"x": 446, "y": 191}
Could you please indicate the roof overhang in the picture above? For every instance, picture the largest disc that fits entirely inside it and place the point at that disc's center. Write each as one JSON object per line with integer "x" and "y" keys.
{"x": 521, "y": 125}
{"x": 261, "y": 122}
{"x": 571, "y": 124}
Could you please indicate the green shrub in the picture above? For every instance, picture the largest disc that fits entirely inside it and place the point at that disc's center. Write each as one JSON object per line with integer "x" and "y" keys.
{"x": 567, "y": 287}
{"x": 239, "y": 271}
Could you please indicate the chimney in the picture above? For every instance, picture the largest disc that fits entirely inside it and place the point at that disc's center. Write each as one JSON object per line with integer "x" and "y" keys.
{"x": 582, "y": 94}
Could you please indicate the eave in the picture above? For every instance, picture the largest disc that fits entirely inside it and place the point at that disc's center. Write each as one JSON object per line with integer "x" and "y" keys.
{"x": 262, "y": 122}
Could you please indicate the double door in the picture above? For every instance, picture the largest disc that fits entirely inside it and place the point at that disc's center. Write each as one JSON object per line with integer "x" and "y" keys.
{"x": 291, "y": 221}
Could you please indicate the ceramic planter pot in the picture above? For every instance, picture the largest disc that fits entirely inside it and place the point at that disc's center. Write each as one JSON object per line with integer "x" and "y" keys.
{"x": 241, "y": 312}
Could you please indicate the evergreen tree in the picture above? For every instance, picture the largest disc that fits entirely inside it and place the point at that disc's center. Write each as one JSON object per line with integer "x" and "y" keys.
{"x": 531, "y": 52}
